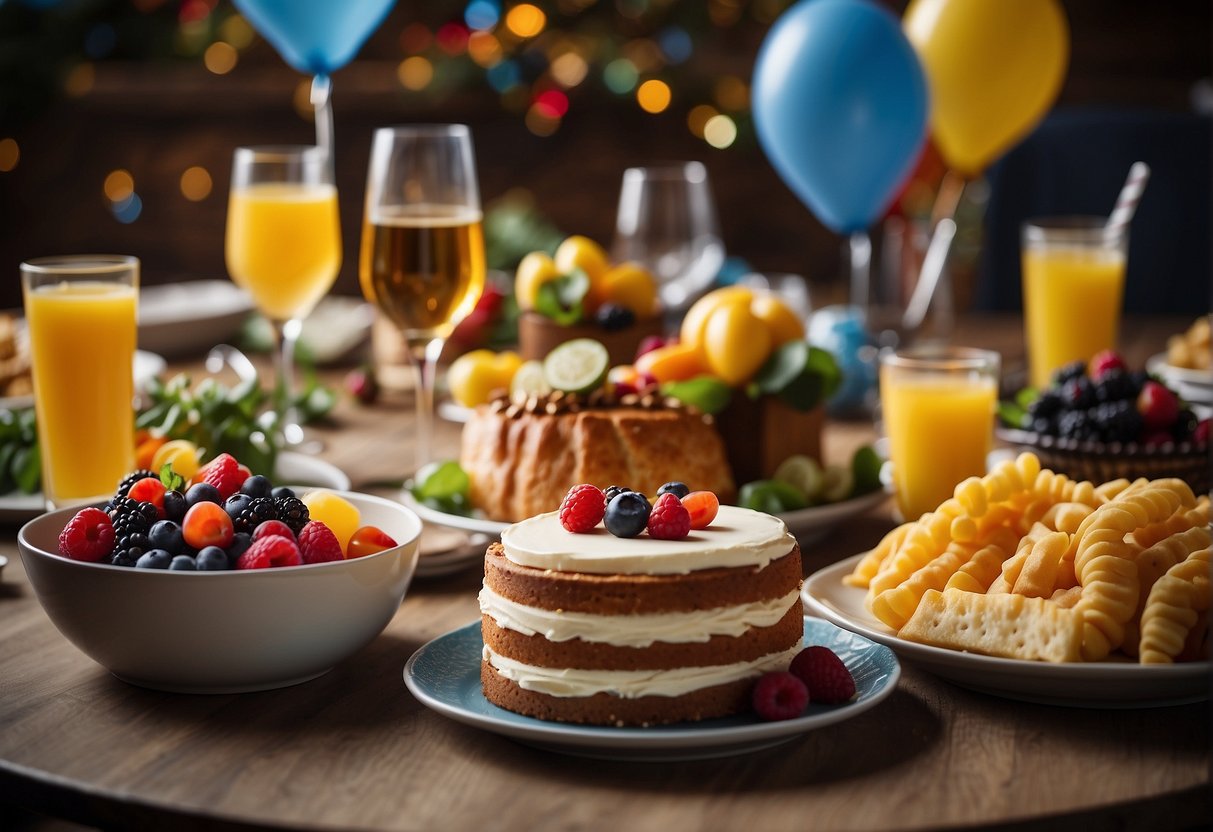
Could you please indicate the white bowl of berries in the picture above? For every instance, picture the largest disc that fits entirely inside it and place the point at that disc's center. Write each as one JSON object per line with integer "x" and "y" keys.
{"x": 215, "y": 595}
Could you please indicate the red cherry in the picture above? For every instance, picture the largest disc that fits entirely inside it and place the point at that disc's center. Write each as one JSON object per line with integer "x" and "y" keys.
{"x": 149, "y": 490}
{"x": 367, "y": 541}
{"x": 1158, "y": 406}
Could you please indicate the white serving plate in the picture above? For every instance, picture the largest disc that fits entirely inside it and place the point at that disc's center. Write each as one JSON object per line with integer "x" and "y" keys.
{"x": 1194, "y": 386}
{"x": 1108, "y": 684}
{"x": 191, "y": 317}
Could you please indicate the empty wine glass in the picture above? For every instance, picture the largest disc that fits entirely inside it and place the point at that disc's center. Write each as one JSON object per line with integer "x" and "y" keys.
{"x": 667, "y": 221}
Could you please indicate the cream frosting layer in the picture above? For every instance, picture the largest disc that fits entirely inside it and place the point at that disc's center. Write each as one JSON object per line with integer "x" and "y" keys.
{"x": 635, "y": 630}
{"x": 737, "y": 537}
{"x": 632, "y": 684}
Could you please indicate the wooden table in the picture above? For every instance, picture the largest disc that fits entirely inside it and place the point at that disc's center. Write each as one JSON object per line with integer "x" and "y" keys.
{"x": 353, "y": 749}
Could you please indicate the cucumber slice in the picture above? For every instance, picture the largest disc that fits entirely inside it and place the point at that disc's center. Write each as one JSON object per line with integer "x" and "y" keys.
{"x": 577, "y": 366}
{"x": 529, "y": 380}
{"x": 839, "y": 483}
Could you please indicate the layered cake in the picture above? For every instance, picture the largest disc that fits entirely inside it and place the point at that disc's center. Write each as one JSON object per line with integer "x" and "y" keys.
{"x": 592, "y": 628}
{"x": 522, "y": 457}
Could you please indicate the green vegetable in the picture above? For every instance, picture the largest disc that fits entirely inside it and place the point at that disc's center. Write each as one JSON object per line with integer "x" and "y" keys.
{"x": 708, "y": 393}
{"x": 562, "y": 299}
{"x": 801, "y": 375}
{"x": 802, "y": 472}
{"x": 443, "y": 481}
{"x": 771, "y": 497}
{"x": 865, "y": 468}
{"x": 20, "y": 464}
{"x": 577, "y": 366}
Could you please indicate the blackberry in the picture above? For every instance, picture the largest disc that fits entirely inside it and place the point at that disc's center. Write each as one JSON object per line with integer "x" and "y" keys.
{"x": 1185, "y": 425}
{"x": 612, "y": 317}
{"x": 293, "y": 512}
{"x": 1078, "y": 393}
{"x": 133, "y": 477}
{"x": 1046, "y": 425}
{"x": 1046, "y": 404}
{"x": 614, "y": 491}
{"x": 1116, "y": 421}
{"x": 1115, "y": 385}
{"x": 1074, "y": 424}
{"x": 256, "y": 513}
{"x": 132, "y": 522}
{"x": 1069, "y": 372}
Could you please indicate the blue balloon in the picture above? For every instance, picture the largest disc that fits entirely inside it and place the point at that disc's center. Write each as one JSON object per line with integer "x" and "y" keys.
{"x": 840, "y": 106}
{"x": 315, "y": 36}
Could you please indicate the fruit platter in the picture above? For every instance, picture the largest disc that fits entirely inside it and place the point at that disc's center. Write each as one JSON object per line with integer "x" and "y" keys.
{"x": 1102, "y": 419}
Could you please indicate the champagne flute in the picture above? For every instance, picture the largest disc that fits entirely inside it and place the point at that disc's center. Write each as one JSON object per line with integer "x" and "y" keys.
{"x": 422, "y": 261}
{"x": 283, "y": 246}
{"x": 667, "y": 220}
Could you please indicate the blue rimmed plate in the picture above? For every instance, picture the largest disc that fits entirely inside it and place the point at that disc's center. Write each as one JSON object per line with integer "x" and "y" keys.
{"x": 445, "y": 676}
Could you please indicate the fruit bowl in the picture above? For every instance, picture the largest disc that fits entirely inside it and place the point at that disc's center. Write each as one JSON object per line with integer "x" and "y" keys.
{"x": 227, "y": 631}
{"x": 1104, "y": 461}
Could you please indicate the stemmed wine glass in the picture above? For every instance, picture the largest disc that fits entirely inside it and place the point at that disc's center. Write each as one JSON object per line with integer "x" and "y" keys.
{"x": 667, "y": 220}
{"x": 422, "y": 261}
{"x": 283, "y": 246}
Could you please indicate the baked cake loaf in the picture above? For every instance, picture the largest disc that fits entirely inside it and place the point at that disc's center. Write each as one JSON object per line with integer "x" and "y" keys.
{"x": 522, "y": 458}
{"x": 596, "y": 629}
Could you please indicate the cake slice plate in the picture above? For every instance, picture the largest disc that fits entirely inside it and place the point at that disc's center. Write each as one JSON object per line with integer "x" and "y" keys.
{"x": 445, "y": 675}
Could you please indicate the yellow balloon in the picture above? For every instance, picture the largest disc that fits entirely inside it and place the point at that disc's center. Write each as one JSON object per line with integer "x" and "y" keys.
{"x": 994, "y": 68}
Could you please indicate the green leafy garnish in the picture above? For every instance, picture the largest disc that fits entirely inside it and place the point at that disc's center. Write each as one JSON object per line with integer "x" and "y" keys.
{"x": 20, "y": 464}
{"x": 707, "y": 393}
{"x": 801, "y": 375}
{"x": 170, "y": 479}
{"x": 441, "y": 481}
{"x": 562, "y": 299}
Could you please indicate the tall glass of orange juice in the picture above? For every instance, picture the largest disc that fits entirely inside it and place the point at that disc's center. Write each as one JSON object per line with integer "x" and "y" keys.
{"x": 81, "y": 316}
{"x": 938, "y": 407}
{"x": 1073, "y": 286}
{"x": 283, "y": 246}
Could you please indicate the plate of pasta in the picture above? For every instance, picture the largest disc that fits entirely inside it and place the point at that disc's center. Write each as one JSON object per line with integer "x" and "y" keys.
{"x": 1033, "y": 586}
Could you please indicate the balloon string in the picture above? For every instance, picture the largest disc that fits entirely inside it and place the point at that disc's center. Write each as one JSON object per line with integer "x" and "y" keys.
{"x": 322, "y": 89}
{"x": 861, "y": 268}
{"x": 943, "y": 232}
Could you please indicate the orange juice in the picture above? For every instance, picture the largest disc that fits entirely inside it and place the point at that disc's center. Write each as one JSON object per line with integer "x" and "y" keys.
{"x": 82, "y": 342}
{"x": 284, "y": 245}
{"x": 1072, "y": 297}
{"x": 939, "y": 429}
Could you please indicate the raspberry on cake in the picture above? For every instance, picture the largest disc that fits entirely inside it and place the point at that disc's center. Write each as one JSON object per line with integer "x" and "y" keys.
{"x": 597, "y": 629}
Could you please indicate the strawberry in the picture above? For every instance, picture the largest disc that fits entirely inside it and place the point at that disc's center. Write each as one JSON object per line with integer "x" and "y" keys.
{"x": 823, "y": 673}
{"x": 318, "y": 544}
{"x": 1158, "y": 406}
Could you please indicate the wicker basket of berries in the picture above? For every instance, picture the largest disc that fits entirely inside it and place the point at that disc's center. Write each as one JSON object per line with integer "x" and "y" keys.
{"x": 1102, "y": 422}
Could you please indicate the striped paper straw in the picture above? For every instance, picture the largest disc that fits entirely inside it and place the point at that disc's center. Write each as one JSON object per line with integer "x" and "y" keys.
{"x": 1130, "y": 195}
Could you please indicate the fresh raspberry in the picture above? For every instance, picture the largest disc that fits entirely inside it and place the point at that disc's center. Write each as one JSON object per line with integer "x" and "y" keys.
{"x": 272, "y": 550}
{"x": 149, "y": 490}
{"x": 224, "y": 473}
{"x": 89, "y": 536}
{"x": 1104, "y": 361}
{"x": 318, "y": 544}
{"x": 582, "y": 508}
{"x": 669, "y": 519}
{"x": 779, "y": 695}
{"x": 823, "y": 673}
{"x": 273, "y": 527}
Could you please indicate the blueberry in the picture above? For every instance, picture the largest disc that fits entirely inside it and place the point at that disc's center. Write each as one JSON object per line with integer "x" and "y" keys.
{"x": 627, "y": 514}
{"x": 182, "y": 563}
{"x": 678, "y": 489}
{"x": 155, "y": 559}
{"x": 236, "y": 504}
{"x": 615, "y": 490}
{"x": 239, "y": 545}
{"x": 612, "y": 317}
{"x": 257, "y": 486}
{"x": 212, "y": 559}
{"x": 166, "y": 534}
{"x": 282, "y": 491}
{"x": 203, "y": 492}
{"x": 174, "y": 505}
